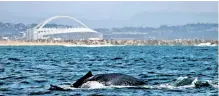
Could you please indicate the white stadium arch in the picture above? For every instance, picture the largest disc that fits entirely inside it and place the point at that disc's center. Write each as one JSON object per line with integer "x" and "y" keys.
{"x": 39, "y": 32}
{"x": 42, "y": 24}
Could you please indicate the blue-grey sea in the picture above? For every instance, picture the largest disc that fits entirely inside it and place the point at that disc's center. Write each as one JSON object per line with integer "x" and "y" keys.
{"x": 29, "y": 70}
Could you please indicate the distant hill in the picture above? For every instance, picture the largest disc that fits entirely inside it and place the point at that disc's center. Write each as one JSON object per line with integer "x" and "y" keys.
{"x": 207, "y": 31}
{"x": 172, "y": 18}
{"x": 188, "y": 31}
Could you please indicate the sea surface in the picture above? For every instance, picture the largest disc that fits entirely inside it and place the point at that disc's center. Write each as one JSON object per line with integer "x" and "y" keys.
{"x": 29, "y": 70}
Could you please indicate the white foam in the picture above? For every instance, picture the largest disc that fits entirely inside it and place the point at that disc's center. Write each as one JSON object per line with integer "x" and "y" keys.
{"x": 212, "y": 84}
{"x": 171, "y": 86}
{"x": 206, "y": 44}
{"x": 92, "y": 85}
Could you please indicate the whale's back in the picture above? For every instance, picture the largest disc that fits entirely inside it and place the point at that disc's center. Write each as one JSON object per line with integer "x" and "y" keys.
{"x": 116, "y": 79}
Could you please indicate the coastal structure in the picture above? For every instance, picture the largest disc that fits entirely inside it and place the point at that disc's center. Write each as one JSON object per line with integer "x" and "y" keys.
{"x": 68, "y": 33}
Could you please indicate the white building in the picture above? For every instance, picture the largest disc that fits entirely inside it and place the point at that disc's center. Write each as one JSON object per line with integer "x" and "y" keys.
{"x": 73, "y": 33}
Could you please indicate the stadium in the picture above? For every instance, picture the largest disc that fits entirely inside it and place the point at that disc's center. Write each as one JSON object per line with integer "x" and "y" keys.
{"x": 82, "y": 32}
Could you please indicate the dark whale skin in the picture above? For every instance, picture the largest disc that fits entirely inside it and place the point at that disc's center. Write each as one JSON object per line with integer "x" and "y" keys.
{"x": 116, "y": 79}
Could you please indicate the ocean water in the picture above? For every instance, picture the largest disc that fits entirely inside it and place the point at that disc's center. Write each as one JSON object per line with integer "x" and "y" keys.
{"x": 29, "y": 70}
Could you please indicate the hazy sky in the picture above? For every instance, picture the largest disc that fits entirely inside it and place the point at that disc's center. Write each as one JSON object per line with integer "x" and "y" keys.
{"x": 97, "y": 12}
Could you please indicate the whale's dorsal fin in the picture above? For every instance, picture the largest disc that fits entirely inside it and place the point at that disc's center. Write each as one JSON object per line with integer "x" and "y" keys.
{"x": 80, "y": 81}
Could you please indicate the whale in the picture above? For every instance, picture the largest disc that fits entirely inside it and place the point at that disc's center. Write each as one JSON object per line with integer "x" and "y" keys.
{"x": 103, "y": 80}
{"x": 115, "y": 80}
{"x": 109, "y": 79}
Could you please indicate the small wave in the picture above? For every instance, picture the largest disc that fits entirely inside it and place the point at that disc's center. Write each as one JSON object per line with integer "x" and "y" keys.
{"x": 116, "y": 58}
{"x": 40, "y": 93}
{"x": 213, "y": 83}
{"x": 14, "y": 59}
{"x": 187, "y": 82}
{"x": 206, "y": 44}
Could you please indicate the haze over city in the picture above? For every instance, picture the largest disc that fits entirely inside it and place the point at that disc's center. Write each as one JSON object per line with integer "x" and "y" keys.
{"x": 112, "y": 14}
